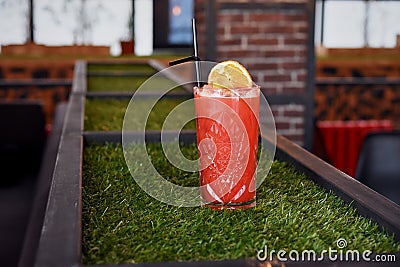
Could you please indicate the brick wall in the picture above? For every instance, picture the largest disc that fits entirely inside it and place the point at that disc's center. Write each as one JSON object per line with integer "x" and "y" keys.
{"x": 289, "y": 121}
{"x": 18, "y": 77}
{"x": 11, "y": 69}
{"x": 270, "y": 39}
{"x": 50, "y": 96}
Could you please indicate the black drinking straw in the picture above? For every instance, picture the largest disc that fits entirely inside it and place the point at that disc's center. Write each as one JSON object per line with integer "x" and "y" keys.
{"x": 194, "y": 57}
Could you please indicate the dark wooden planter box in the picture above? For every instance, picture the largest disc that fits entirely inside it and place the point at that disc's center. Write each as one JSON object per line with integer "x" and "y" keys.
{"x": 60, "y": 241}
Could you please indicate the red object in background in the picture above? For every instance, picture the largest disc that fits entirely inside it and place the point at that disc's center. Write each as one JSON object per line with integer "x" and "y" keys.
{"x": 341, "y": 141}
{"x": 127, "y": 47}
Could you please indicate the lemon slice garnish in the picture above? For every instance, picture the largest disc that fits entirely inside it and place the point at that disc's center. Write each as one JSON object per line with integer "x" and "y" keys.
{"x": 229, "y": 75}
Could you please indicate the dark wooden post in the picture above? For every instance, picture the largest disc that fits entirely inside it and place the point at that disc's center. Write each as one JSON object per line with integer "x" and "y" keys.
{"x": 31, "y": 37}
{"x": 322, "y": 22}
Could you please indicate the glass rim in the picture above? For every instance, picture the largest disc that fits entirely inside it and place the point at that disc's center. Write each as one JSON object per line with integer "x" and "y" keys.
{"x": 254, "y": 86}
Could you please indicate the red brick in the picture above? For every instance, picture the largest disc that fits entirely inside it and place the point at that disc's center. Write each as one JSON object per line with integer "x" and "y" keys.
{"x": 277, "y": 17}
{"x": 293, "y": 65}
{"x": 262, "y": 41}
{"x": 297, "y": 125}
{"x": 221, "y": 31}
{"x": 269, "y": 91}
{"x": 280, "y": 53}
{"x": 275, "y": 113}
{"x": 239, "y": 53}
{"x": 295, "y": 17}
{"x": 263, "y": 66}
{"x": 301, "y": 28}
{"x": 259, "y": 17}
{"x": 302, "y": 52}
{"x": 277, "y": 78}
{"x": 302, "y": 77}
{"x": 291, "y": 89}
{"x": 294, "y": 41}
{"x": 278, "y": 29}
{"x": 228, "y": 18}
{"x": 224, "y": 41}
{"x": 240, "y": 29}
{"x": 282, "y": 125}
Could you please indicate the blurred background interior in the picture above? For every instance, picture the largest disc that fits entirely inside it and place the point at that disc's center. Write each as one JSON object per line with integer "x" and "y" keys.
{"x": 330, "y": 70}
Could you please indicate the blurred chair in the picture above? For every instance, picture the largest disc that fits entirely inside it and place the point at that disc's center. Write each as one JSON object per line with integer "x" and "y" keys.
{"x": 22, "y": 138}
{"x": 379, "y": 164}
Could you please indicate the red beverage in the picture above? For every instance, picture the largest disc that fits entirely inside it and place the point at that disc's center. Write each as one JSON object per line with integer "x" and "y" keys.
{"x": 227, "y": 139}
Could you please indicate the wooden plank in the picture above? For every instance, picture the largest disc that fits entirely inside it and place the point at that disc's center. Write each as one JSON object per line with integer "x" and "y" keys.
{"x": 357, "y": 81}
{"x": 79, "y": 84}
{"x": 310, "y": 86}
{"x": 35, "y": 82}
{"x": 60, "y": 240}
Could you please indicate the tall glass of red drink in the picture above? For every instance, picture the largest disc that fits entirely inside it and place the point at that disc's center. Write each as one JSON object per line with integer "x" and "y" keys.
{"x": 227, "y": 140}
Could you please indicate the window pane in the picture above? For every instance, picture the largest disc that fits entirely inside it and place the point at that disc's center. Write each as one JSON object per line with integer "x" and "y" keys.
{"x": 180, "y": 22}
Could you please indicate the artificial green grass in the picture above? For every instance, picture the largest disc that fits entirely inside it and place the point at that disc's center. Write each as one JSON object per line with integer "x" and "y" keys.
{"x": 130, "y": 84}
{"x": 142, "y": 68}
{"x": 104, "y": 84}
{"x": 108, "y": 114}
{"x": 122, "y": 224}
